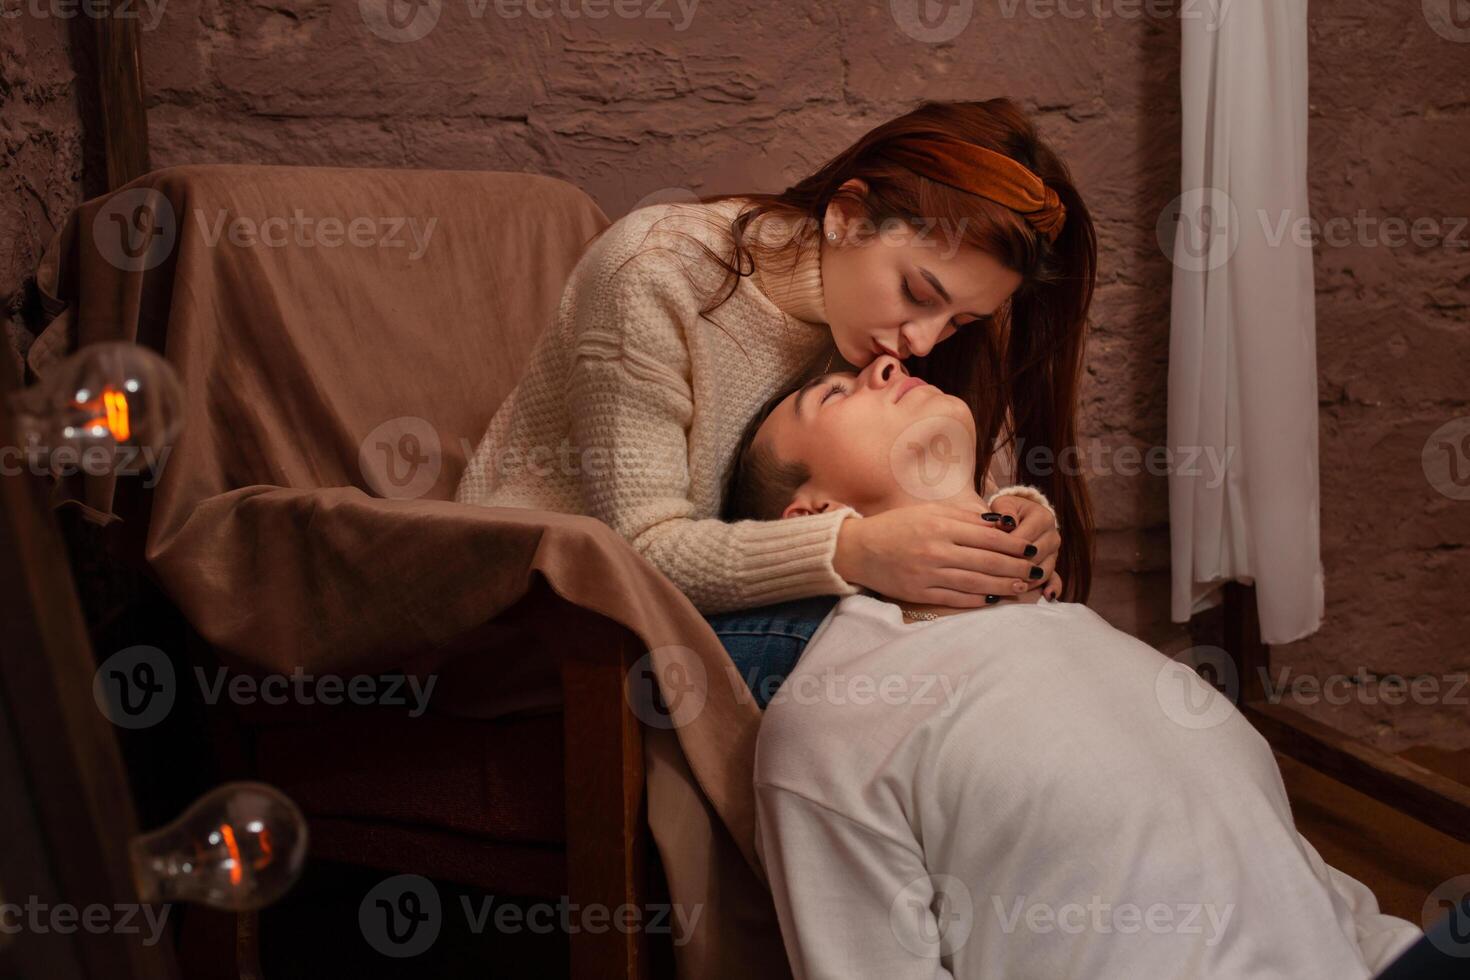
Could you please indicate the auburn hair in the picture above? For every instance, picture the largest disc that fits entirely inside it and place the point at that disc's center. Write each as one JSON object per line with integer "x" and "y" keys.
{"x": 1020, "y": 372}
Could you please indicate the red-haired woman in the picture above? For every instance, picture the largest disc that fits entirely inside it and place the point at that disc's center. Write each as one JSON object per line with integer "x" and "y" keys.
{"x": 950, "y": 237}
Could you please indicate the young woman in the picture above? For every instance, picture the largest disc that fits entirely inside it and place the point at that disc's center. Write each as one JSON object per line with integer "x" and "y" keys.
{"x": 950, "y": 237}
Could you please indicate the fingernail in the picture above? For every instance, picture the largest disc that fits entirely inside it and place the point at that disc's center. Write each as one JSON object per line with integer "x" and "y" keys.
{"x": 1030, "y": 551}
{"x": 1019, "y": 586}
{"x": 1008, "y": 522}
{"x": 1036, "y": 572}
{"x": 991, "y": 600}
{"x": 990, "y": 517}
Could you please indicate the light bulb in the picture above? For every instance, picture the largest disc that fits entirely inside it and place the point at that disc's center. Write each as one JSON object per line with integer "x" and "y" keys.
{"x": 97, "y": 401}
{"x": 238, "y": 847}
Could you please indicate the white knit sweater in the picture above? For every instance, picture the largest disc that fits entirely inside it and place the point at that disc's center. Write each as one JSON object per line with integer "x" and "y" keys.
{"x": 632, "y": 407}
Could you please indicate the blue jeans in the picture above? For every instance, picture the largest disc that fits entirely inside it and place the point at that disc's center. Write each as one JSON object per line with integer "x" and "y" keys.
{"x": 766, "y": 642}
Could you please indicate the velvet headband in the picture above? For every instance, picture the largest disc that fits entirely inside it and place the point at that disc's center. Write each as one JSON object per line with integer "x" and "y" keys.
{"x": 967, "y": 167}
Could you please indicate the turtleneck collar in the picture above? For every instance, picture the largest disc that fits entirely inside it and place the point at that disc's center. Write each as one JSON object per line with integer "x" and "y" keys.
{"x": 793, "y": 284}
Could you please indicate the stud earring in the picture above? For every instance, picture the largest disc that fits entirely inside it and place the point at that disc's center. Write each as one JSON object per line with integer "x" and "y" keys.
{"x": 831, "y": 236}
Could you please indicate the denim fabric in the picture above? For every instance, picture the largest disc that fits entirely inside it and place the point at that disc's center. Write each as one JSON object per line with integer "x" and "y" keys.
{"x": 766, "y": 642}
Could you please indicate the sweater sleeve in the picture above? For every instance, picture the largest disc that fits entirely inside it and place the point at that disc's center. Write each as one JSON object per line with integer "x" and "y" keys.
{"x": 631, "y": 408}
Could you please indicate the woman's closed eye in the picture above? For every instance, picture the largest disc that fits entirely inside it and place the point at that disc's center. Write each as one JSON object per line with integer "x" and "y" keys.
{"x": 832, "y": 389}
{"x": 909, "y": 295}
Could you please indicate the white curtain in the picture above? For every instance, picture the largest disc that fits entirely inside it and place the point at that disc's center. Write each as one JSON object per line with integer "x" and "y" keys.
{"x": 1243, "y": 487}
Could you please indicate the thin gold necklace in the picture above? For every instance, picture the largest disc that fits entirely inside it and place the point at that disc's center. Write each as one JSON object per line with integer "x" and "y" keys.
{"x": 918, "y": 614}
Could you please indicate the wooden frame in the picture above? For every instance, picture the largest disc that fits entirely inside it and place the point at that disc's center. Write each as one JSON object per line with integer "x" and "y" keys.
{"x": 1425, "y": 795}
{"x": 68, "y": 816}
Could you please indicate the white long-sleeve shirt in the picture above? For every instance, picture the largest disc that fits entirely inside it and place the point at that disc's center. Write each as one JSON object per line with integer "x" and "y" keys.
{"x": 1024, "y": 791}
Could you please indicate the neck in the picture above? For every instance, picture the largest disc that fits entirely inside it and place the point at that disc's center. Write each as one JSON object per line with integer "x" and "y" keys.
{"x": 792, "y": 282}
{"x": 966, "y": 498}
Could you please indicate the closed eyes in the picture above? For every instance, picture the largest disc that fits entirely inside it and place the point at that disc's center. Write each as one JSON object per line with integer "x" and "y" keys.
{"x": 832, "y": 389}
{"x": 909, "y": 295}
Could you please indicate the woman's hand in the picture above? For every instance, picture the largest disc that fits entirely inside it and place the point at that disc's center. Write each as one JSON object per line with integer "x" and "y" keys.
{"x": 1034, "y": 525}
{"x": 939, "y": 553}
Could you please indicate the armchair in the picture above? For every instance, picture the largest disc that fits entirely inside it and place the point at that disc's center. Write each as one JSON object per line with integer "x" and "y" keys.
{"x": 345, "y": 337}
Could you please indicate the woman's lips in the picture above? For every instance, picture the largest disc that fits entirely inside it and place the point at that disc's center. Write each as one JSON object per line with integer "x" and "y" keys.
{"x": 879, "y": 349}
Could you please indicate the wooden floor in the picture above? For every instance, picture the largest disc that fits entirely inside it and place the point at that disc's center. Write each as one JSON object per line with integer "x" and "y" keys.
{"x": 1400, "y": 859}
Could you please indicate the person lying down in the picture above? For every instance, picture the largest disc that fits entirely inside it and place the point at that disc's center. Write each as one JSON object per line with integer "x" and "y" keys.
{"x": 1019, "y": 790}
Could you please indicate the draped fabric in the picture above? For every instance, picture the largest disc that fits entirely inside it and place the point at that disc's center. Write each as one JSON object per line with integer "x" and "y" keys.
{"x": 1243, "y": 487}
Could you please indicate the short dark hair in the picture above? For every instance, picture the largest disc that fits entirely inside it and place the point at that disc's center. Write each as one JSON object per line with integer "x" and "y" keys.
{"x": 761, "y": 484}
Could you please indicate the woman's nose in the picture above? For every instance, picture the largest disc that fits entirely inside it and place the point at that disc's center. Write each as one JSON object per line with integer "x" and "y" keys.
{"x": 919, "y": 338}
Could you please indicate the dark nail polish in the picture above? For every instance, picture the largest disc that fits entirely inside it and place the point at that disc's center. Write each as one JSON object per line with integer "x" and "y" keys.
{"x": 1036, "y": 572}
{"x": 1008, "y": 522}
{"x": 990, "y": 517}
{"x": 1051, "y": 595}
{"x": 991, "y": 600}
{"x": 1030, "y": 551}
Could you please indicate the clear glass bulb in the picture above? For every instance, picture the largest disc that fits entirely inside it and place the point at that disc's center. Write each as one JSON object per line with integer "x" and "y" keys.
{"x": 101, "y": 398}
{"x": 238, "y": 847}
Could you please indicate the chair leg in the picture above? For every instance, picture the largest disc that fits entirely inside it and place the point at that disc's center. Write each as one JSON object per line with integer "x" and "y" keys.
{"x": 605, "y": 823}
